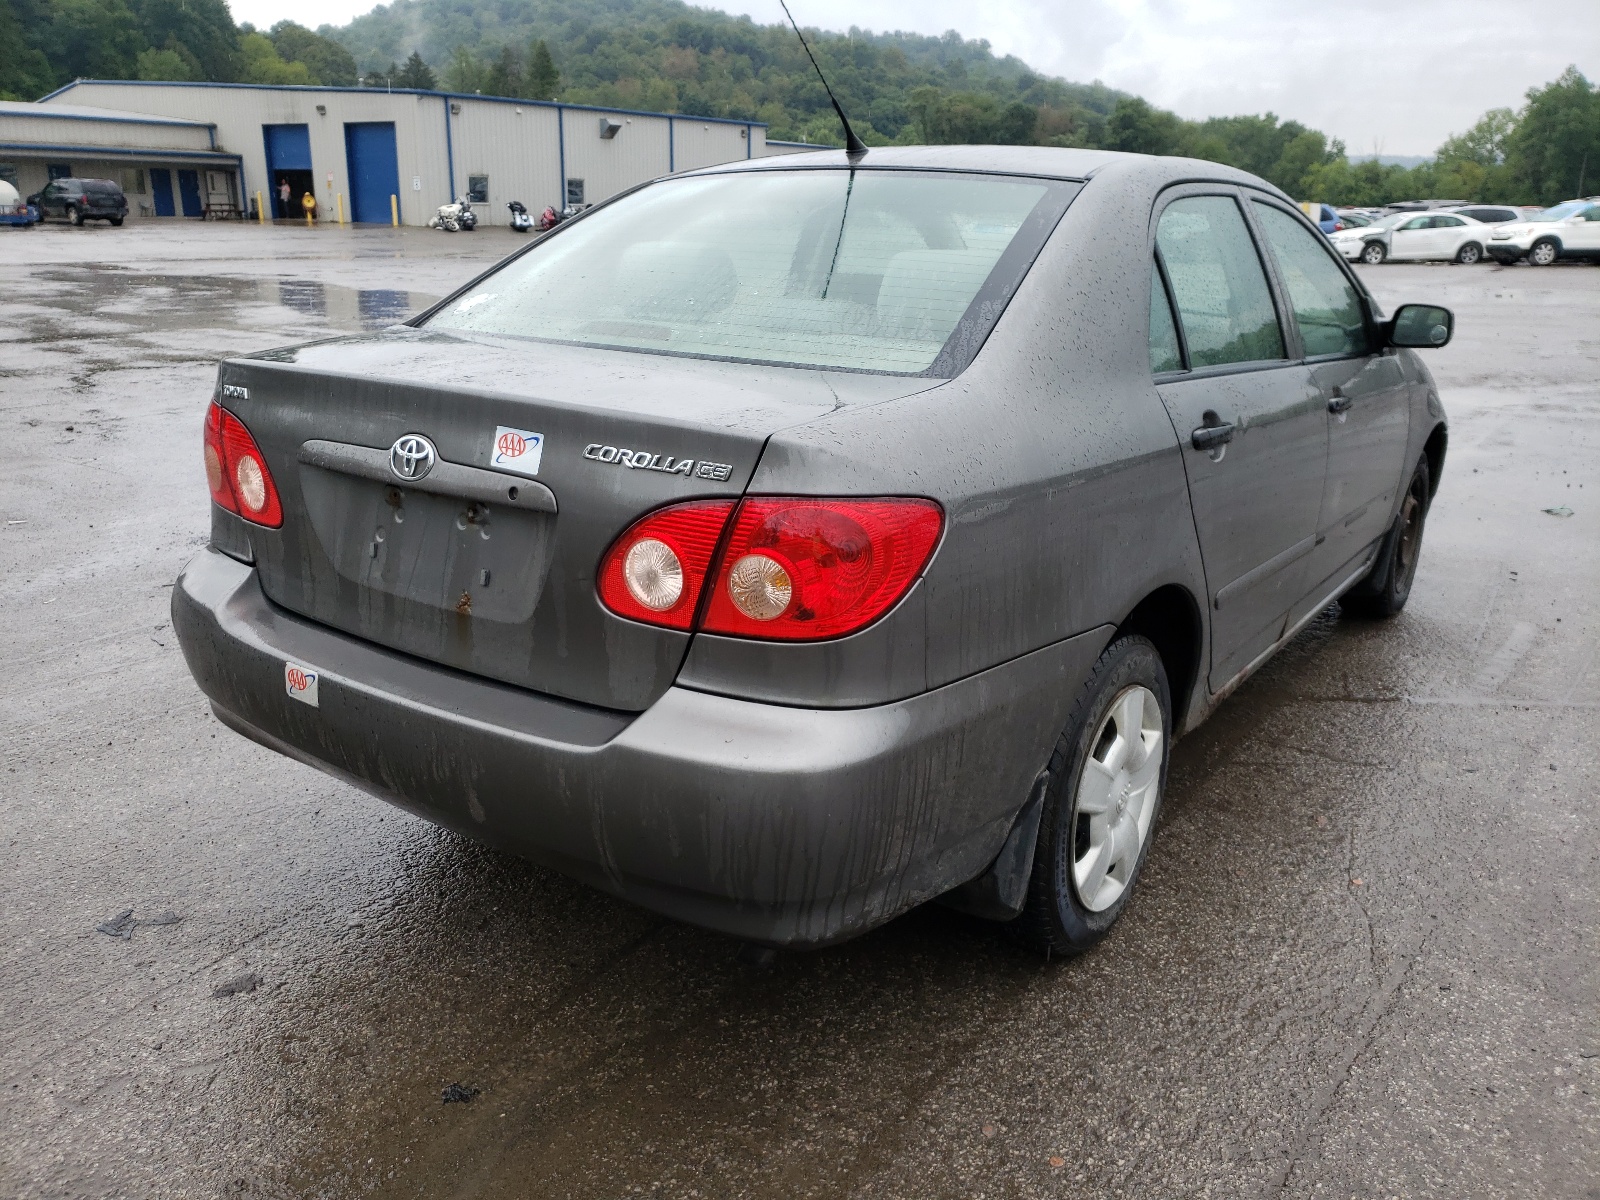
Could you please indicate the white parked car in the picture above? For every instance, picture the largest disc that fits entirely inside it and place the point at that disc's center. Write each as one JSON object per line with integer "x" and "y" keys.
{"x": 1415, "y": 237}
{"x": 1570, "y": 230}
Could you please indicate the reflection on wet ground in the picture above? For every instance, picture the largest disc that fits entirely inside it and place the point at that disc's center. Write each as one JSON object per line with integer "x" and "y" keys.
{"x": 1360, "y": 963}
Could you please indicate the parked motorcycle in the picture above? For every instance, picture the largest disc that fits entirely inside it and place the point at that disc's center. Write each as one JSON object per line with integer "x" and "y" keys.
{"x": 521, "y": 222}
{"x": 549, "y": 218}
{"x": 453, "y": 217}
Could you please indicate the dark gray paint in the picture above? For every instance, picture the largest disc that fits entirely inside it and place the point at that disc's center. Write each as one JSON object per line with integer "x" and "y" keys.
{"x": 789, "y": 793}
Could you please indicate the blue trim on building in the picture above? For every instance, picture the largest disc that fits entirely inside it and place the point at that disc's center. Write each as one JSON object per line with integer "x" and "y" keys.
{"x": 561, "y": 151}
{"x": 300, "y": 87}
{"x": 122, "y": 152}
{"x": 449, "y": 155}
{"x": 45, "y": 111}
{"x": 749, "y": 137}
{"x": 672, "y": 151}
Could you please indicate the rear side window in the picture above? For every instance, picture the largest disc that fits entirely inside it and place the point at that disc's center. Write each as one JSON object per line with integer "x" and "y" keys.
{"x": 1164, "y": 352}
{"x": 1326, "y": 307}
{"x": 1218, "y": 283}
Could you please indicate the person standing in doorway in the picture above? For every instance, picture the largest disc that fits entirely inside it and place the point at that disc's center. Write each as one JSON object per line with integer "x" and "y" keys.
{"x": 284, "y": 192}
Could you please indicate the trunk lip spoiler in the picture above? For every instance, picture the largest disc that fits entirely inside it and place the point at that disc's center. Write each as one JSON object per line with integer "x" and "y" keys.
{"x": 446, "y": 479}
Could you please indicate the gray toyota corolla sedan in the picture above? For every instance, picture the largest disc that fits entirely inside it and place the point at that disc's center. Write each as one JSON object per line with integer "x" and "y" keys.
{"x": 783, "y": 545}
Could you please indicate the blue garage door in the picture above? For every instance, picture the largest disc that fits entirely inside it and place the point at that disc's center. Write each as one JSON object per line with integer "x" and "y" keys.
{"x": 189, "y": 193}
{"x": 374, "y": 169}
{"x": 288, "y": 147}
{"x": 161, "y": 192}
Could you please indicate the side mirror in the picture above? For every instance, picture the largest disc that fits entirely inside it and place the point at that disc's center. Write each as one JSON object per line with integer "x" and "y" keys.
{"x": 1421, "y": 326}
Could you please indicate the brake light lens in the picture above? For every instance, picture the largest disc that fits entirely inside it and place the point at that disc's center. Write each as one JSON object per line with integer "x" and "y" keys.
{"x": 236, "y": 470}
{"x": 791, "y": 569}
{"x": 808, "y": 569}
{"x": 655, "y": 571}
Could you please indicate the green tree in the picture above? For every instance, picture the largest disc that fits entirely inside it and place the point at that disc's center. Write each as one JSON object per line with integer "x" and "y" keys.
{"x": 261, "y": 63}
{"x": 174, "y": 62}
{"x": 1554, "y": 151}
{"x": 465, "y": 72}
{"x": 543, "y": 81}
{"x": 415, "y": 74}
{"x": 92, "y": 39}
{"x": 327, "y": 61}
{"x": 25, "y": 72}
{"x": 199, "y": 29}
{"x": 504, "y": 76}
{"x": 1137, "y": 127}
{"x": 1484, "y": 143}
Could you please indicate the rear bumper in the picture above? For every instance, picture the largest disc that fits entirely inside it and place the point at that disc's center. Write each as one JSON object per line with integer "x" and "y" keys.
{"x": 778, "y": 825}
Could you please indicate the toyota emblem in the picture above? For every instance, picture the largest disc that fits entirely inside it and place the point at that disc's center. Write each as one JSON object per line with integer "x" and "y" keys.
{"x": 412, "y": 457}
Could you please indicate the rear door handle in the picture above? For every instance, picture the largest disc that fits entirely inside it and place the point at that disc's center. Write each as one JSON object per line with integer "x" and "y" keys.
{"x": 1208, "y": 437}
{"x": 1340, "y": 403}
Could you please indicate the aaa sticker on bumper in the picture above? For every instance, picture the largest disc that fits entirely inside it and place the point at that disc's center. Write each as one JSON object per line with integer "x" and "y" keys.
{"x": 516, "y": 450}
{"x": 301, "y": 683}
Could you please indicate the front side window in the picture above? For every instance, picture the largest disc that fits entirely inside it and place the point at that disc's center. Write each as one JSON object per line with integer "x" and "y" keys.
{"x": 1326, "y": 307}
{"x": 1416, "y": 223}
{"x": 1448, "y": 222}
{"x": 1218, "y": 283}
{"x": 1165, "y": 354}
{"x": 859, "y": 269}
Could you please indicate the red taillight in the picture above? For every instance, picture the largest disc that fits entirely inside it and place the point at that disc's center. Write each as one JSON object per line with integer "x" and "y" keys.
{"x": 654, "y": 572}
{"x": 236, "y": 470}
{"x": 793, "y": 569}
{"x": 802, "y": 569}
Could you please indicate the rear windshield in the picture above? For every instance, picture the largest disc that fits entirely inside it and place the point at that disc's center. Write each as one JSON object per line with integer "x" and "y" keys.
{"x": 885, "y": 271}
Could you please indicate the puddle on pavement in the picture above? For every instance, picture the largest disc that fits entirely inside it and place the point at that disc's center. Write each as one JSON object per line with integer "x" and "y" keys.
{"x": 144, "y": 302}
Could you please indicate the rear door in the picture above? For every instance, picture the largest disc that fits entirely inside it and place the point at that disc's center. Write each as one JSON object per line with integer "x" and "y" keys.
{"x": 1413, "y": 239}
{"x": 1252, "y": 426}
{"x": 1361, "y": 388}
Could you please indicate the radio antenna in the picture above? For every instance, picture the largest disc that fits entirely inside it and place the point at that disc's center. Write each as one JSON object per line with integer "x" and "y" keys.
{"x": 854, "y": 148}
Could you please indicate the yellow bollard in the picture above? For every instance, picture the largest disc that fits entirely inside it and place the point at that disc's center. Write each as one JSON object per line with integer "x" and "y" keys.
{"x": 261, "y": 213}
{"x": 308, "y": 218}
{"x": 341, "y": 208}
{"x": 394, "y": 209}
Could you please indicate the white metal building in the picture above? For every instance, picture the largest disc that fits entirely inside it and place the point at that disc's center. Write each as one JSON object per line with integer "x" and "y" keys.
{"x": 379, "y": 154}
{"x": 166, "y": 165}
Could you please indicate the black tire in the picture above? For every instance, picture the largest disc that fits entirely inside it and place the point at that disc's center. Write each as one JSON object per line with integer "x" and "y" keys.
{"x": 116, "y": 221}
{"x": 1373, "y": 253}
{"x": 1387, "y": 587}
{"x": 1542, "y": 253}
{"x": 74, "y": 216}
{"x": 1469, "y": 254}
{"x": 1056, "y": 920}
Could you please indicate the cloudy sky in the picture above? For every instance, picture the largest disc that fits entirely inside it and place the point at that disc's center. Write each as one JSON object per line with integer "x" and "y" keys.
{"x": 1387, "y": 76}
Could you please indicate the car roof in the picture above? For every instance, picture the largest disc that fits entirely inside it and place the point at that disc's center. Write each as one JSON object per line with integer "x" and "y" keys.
{"x": 1048, "y": 161}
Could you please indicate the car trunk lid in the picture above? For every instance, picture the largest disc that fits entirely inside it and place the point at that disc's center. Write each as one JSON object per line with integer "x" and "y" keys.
{"x": 544, "y": 454}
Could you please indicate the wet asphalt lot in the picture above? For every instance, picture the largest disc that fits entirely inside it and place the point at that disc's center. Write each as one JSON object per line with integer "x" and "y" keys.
{"x": 1362, "y": 963}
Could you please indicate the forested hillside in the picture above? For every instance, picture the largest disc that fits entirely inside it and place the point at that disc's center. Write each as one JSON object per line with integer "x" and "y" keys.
{"x": 669, "y": 56}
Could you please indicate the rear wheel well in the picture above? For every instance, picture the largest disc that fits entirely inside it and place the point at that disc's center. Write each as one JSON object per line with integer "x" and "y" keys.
{"x": 1169, "y": 618}
{"x": 1434, "y": 449}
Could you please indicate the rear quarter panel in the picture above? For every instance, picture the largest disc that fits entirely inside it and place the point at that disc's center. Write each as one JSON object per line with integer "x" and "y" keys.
{"x": 1055, "y": 461}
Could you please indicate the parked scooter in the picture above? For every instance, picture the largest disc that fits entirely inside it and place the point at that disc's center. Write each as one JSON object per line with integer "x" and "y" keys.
{"x": 453, "y": 217}
{"x": 521, "y": 222}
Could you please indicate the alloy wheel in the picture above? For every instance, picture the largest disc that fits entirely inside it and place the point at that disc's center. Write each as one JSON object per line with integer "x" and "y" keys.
{"x": 1116, "y": 797}
{"x": 1543, "y": 254}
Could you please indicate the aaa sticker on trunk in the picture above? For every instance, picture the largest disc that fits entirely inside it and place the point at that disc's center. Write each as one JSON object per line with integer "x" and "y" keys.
{"x": 516, "y": 450}
{"x": 301, "y": 683}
